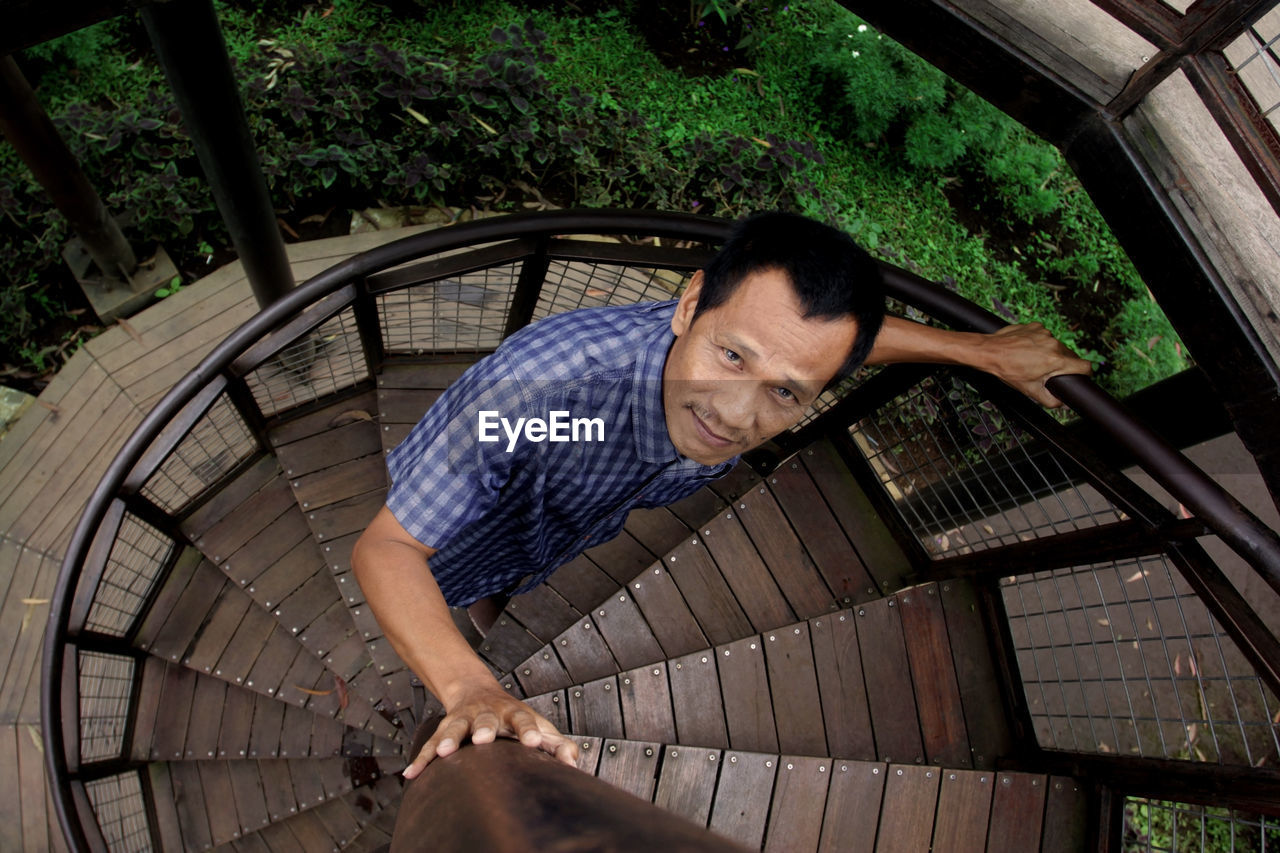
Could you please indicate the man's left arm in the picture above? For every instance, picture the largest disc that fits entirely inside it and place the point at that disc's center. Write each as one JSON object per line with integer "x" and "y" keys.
{"x": 1023, "y": 356}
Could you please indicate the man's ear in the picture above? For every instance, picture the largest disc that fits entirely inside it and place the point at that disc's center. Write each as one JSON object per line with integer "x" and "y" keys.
{"x": 688, "y": 304}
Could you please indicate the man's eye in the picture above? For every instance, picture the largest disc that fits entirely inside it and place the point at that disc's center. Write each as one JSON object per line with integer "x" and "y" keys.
{"x": 732, "y": 356}
{"x": 786, "y": 394}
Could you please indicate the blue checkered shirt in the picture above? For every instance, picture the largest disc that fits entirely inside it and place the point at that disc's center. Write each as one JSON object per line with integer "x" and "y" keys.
{"x": 499, "y": 519}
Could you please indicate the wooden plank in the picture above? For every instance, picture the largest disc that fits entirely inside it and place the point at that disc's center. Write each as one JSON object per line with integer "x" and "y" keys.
{"x": 246, "y": 787}
{"x": 307, "y": 788}
{"x": 205, "y": 719}
{"x": 594, "y": 708}
{"x": 10, "y": 803}
{"x": 1017, "y": 811}
{"x": 626, "y": 632}
{"x": 854, "y": 796}
{"x": 878, "y": 550}
{"x": 436, "y": 375}
{"x": 990, "y": 735}
{"x": 507, "y": 643}
{"x": 347, "y": 516}
{"x": 799, "y": 800}
{"x": 963, "y": 805}
{"x": 305, "y": 673}
{"x": 821, "y": 534}
{"x": 704, "y": 589}
{"x": 237, "y": 721}
{"x": 906, "y": 815}
{"x": 797, "y": 710}
{"x": 744, "y": 683}
{"x": 745, "y": 572}
{"x": 277, "y": 787}
{"x": 188, "y": 800}
{"x": 326, "y": 737}
{"x": 305, "y": 604}
{"x": 554, "y": 707}
{"x": 282, "y": 576}
{"x": 14, "y": 618}
{"x": 264, "y": 737}
{"x": 942, "y": 724}
{"x": 250, "y": 638}
{"x": 341, "y": 481}
{"x": 355, "y": 439}
{"x": 311, "y": 833}
{"x": 665, "y": 611}
{"x": 696, "y": 701}
{"x": 792, "y": 567}
{"x": 888, "y": 679}
{"x": 838, "y": 664}
{"x": 228, "y": 612}
{"x": 742, "y": 797}
{"x": 238, "y": 526}
{"x": 581, "y": 583}
{"x": 263, "y": 472}
{"x": 1066, "y": 817}
{"x": 404, "y": 406}
{"x": 697, "y": 509}
{"x": 266, "y": 547}
{"x": 169, "y": 741}
{"x": 277, "y": 656}
{"x": 338, "y": 821}
{"x": 144, "y": 709}
{"x": 167, "y": 828}
{"x": 621, "y": 558}
{"x": 542, "y": 672}
{"x": 19, "y": 693}
{"x": 740, "y": 479}
{"x": 331, "y": 418}
{"x": 657, "y": 529}
{"x": 295, "y": 732}
{"x": 631, "y": 766}
{"x": 167, "y": 596}
{"x": 687, "y": 781}
{"x": 543, "y": 612}
{"x": 219, "y": 801}
{"x": 583, "y": 652}
{"x": 280, "y": 839}
{"x": 646, "y": 704}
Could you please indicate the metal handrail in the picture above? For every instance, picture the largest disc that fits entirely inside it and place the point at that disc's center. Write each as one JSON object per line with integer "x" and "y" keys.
{"x": 1258, "y": 545}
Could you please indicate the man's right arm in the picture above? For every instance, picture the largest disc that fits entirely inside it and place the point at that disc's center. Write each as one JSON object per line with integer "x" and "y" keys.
{"x": 392, "y": 569}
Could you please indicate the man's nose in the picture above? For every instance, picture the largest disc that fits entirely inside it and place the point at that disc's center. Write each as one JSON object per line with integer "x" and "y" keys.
{"x": 735, "y": 404}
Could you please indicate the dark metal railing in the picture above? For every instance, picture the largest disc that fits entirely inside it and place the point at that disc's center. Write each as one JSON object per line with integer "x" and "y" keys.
{"x": 464, "y": 288}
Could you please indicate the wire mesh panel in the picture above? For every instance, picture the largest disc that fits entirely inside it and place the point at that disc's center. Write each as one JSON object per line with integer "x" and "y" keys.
{"x": 1123, "y": 658}
{"x": 106, "y": 682}
{"x": 136, "y": 559}
{"x": 964, "y": 478}
{"x": 1160, "y": 825}
{"x": 1253, "y": 56}
{"x": 325, "y": 360}
{"x": 579, "y": 284}
{"x": 463, "y": 313}
{"x": 121, "y": 811}
{"x": 219, "y": 441}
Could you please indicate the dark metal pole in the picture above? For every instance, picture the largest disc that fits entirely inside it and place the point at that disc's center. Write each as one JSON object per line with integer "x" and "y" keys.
{"x": 189, "y": 44}
{"x": 28, "y": 128}
{"x": 503, "y": 797}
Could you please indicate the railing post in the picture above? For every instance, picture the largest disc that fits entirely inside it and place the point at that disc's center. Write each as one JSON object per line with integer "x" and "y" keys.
{"x": 188, "y": 43}
{"x": 503, "y": 797}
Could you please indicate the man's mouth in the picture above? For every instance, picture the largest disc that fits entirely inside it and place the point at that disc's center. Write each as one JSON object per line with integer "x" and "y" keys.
{"x": 708, "y": 436}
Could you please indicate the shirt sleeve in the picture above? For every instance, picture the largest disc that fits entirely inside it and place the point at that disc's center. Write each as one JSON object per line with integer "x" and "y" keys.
{"x": 443, "y": 476}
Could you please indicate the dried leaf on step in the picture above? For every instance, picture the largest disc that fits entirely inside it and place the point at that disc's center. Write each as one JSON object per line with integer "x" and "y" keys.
{"x": 350, "y": 416}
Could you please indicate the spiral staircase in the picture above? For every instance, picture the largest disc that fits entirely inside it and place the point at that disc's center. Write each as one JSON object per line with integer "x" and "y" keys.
{"x": 930, "y": 617}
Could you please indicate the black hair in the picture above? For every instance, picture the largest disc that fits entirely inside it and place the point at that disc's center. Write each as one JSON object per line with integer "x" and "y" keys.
{"x": 831, "y": 274}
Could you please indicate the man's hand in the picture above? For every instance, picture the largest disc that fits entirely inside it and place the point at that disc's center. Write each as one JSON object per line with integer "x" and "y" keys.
{"x": 1025, "y": 356}
{"x": 485, "y": 712}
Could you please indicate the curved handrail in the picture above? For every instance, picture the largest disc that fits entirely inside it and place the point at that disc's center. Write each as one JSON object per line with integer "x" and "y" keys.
{"x": 1236, "y": 525}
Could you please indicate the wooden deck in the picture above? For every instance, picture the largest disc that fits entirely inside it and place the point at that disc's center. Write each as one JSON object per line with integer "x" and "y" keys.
{"x": 748, "y": 657}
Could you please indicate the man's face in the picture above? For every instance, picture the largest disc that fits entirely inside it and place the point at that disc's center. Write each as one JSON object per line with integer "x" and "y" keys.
{"x": 748, "y": 369}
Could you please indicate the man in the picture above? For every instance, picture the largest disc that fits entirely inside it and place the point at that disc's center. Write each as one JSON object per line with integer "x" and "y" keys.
{"x": 679, "y": 390}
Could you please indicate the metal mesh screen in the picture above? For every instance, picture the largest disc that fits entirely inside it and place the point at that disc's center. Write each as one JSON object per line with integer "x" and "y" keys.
{"x": 463, "y": 313}
{"x": 579, "y": 284}
{"x": 328, "y": 359}
{"x": 1158, "y": 825}
{"x": 966, "y": 479}
{"x": 137, "y": 556}
{"x": 1123, "y": 658}
{"x": 1253, "y": 56}
{"x": 121, "y": 812}
{"x": 106, "y": 682}
{"x": 219, "y": 441}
